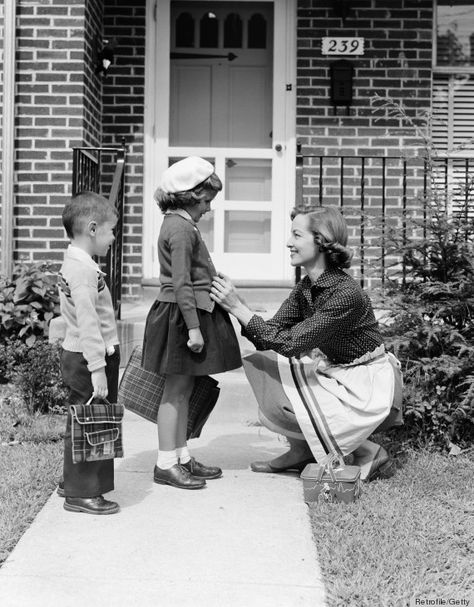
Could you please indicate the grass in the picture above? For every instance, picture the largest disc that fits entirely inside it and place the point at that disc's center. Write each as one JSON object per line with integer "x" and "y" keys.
{"x": 30, "y": 465}
{"x": 409, "y": 536}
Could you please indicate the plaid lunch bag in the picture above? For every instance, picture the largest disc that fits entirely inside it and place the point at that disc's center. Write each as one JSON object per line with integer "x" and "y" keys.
{"x": 96, "y": 431}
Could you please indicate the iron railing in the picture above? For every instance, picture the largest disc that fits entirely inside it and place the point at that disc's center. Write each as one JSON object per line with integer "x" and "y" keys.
{"x": 381, "y": 195}
{"x": 92, "y": 171}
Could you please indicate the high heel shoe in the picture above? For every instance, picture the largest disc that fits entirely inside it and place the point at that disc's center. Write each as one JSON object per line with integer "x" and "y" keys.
{"x": 269, "y": 468}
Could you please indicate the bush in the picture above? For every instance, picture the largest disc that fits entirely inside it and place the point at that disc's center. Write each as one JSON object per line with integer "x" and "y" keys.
{"x": 35, "y": 372}
{"x": 28, "y": 301}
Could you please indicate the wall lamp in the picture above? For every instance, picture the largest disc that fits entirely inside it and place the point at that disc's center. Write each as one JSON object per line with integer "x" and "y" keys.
{"x": 342, "y": 8}
{"x": 105, "y": 57}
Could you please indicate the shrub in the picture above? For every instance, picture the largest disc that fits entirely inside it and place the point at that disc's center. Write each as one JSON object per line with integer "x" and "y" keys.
{"x": 28, "y": 301}
{"x": 35, "y": 372}
{"x": 431, "y": 301}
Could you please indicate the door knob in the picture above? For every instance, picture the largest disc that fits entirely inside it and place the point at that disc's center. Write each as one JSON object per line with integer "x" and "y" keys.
{"x": 278, "y": 147}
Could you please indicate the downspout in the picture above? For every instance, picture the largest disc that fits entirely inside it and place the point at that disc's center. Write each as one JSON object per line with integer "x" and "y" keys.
{"x": 8, "y": 136}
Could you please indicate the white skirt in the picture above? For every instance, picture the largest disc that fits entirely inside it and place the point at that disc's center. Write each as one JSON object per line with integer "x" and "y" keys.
{"x": 333, "y": 407}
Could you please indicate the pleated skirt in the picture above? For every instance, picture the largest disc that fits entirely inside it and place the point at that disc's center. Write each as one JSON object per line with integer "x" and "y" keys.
{"x": 166, "y": 335}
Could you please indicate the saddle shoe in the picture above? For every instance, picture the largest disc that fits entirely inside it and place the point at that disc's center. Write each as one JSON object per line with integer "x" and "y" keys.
{"x": 177, "y": 476}
{"x": 201, "y": 471}
{"x": 91, "y": 505}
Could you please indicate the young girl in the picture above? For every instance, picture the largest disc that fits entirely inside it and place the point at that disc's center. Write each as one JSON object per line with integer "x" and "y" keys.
{"x": 186, "y": 334}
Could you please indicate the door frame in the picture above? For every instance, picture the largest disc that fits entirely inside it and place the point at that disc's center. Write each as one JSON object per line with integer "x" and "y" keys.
{"x": 156, "y": 120}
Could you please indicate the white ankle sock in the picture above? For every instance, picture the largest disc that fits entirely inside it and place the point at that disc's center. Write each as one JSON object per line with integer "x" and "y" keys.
{"x": 166, "y": 459}
{"x": 183, "y": 455}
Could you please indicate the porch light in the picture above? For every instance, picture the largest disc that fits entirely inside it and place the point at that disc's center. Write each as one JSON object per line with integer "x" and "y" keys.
{"x": 105, "y": 57}
{"x": 342, "y": 8}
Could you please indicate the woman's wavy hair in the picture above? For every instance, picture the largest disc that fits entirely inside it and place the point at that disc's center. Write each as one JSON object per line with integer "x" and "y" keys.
{"x": 330, "y": 234}
{"x": 170, "y": 201}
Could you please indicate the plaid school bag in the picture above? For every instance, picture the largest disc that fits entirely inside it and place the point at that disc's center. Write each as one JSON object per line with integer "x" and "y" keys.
{"x": 96, "y": 431}
{"x": 141, "y": 391}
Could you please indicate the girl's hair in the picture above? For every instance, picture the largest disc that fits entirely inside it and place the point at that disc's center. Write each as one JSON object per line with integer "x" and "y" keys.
{"x": 330, "y": 234}
{"x": 170, "y": 201}
{"x": 85, "y": 207}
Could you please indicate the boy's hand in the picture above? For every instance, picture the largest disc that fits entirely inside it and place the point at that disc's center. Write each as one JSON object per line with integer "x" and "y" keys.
{"x": 195, "y": 342}
{"x": 99, "y": 383}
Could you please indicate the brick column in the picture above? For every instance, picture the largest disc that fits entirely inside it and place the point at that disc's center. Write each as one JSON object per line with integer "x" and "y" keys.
{"x": 58, "y": 107}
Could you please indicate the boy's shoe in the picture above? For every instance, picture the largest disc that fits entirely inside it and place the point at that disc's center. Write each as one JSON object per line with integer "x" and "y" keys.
{"x": 91, "y": 505}
{"x": 201, "y": 471}
{"x": 60, "y": 489}
{"x": 177, "y": 476}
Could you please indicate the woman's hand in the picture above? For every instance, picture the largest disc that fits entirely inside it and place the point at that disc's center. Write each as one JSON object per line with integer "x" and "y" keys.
{"x": 224, "y": 293}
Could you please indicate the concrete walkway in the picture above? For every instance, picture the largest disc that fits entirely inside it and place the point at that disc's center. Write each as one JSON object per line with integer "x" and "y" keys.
{"x": 243, "y": 541}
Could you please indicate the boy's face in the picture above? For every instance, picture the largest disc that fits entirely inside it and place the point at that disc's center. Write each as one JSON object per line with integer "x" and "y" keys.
{"x": 102, "y": 236}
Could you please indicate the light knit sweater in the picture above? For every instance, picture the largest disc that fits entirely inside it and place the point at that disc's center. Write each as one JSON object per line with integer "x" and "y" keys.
{"x": 86, "y": 307}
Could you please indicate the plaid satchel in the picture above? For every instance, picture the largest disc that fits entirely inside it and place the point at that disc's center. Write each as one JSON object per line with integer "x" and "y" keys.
{"x": 141, "y": 391}
{"x": 96, "y": 431}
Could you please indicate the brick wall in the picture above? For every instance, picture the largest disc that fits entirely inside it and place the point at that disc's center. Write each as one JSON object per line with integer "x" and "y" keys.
{"x": 1, "y": 105}
{"x": 123, "y": 117}
{"x": 56, "y": 94}
{"x": 396, "y": 64}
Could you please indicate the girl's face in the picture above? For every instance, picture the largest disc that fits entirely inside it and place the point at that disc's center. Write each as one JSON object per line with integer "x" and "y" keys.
{"x": 203, "y": 207}
{"x": 303, "y": 249}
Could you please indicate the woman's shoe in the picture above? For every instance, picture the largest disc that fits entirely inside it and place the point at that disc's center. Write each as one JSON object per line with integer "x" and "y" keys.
{"x": 268, "y": 467}
{"x": 177, "y": 476}
{"x": 381, "y": 467}
{"x": 201, "y": 471}
{"x": 91, "y": 505}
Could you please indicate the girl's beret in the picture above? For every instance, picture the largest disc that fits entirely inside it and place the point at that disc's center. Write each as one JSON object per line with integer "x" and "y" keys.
{"x": 185, "y": 174}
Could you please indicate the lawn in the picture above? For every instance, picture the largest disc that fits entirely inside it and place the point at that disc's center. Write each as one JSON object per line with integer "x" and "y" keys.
{"x": 408, "y": 536}
{"x": 30, "y": 466}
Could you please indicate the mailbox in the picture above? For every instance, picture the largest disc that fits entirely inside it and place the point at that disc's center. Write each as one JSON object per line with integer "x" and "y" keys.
{"x": 342, "y": 73}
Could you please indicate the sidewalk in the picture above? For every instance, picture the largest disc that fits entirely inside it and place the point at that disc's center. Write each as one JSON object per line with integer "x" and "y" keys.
{"x": 243, "y": 541}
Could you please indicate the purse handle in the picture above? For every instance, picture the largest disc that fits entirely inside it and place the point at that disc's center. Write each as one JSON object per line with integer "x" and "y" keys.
{"x": 104, "y": 399}
{"x": 328, "y": 464}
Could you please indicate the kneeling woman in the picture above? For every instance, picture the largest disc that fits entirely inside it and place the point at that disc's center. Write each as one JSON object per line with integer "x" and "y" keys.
{"x": 336, "y": 382}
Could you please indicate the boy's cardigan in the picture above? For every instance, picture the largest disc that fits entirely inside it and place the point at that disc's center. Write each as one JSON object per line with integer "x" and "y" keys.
{"x": 186, "y": 268}
{"x": 86, "y": 307}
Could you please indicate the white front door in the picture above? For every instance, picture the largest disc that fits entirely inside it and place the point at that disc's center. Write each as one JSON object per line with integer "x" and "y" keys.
{"x": 221, "y": 86}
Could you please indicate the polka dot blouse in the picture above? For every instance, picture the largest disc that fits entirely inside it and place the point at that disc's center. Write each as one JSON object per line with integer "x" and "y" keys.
{"x": 333, "y": 314}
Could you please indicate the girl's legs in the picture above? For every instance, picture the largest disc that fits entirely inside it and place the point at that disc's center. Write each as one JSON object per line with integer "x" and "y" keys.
{"x": 173, "y": 418}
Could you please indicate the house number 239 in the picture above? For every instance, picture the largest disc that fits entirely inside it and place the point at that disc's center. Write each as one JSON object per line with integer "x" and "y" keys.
{"x": 343, "y": 46}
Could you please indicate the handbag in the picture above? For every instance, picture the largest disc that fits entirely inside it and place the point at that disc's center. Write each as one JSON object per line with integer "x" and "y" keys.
{"x": 141, "y": 391}
{"x": 96, "y": 431}
{"x": 326, "y": 482}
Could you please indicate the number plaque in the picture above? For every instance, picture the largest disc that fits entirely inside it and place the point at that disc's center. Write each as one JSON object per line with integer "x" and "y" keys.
{"x": 343, "y": 46}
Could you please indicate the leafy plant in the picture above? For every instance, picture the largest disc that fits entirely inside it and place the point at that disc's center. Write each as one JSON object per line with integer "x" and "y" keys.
{"x": 34, "y": 370}
{"x": 28, "y": 301}
{"x": 431, "y": 295}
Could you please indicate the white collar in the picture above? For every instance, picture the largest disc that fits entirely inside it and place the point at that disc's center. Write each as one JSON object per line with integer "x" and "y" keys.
{"x": 79, "y": 254}
{"x": 183, "y": 214}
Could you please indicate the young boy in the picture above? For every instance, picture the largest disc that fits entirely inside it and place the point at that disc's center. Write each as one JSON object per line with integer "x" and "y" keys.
{"x": 90, "y": 356}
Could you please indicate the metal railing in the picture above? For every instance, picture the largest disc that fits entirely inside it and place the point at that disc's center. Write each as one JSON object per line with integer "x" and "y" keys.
{"x": 379, "y": 195}
{"x": 92, "y": 171}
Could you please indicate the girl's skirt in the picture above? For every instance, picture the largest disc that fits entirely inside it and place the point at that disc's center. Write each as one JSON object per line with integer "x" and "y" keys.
{"x": 333, "y": 407}
{"x": 166, "y": 335}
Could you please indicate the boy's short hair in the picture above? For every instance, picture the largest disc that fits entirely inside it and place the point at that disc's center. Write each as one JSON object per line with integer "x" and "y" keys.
{"x": 85, "y": 207}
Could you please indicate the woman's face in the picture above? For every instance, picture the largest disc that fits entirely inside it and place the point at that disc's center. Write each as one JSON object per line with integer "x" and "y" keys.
{"x": 303, "y": 249}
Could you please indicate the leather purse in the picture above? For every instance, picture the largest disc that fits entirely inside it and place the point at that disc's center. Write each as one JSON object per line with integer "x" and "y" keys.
{"x": 96, "y": 431}
{"x": 141, "y": 391}
{"x": 328, "y": 482}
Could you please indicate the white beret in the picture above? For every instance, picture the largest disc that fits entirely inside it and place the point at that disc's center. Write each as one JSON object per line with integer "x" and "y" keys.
{"x": 185, "y": 174}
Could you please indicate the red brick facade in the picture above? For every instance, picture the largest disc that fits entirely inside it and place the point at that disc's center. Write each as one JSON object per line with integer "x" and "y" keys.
{"x": 61, "y": 103}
